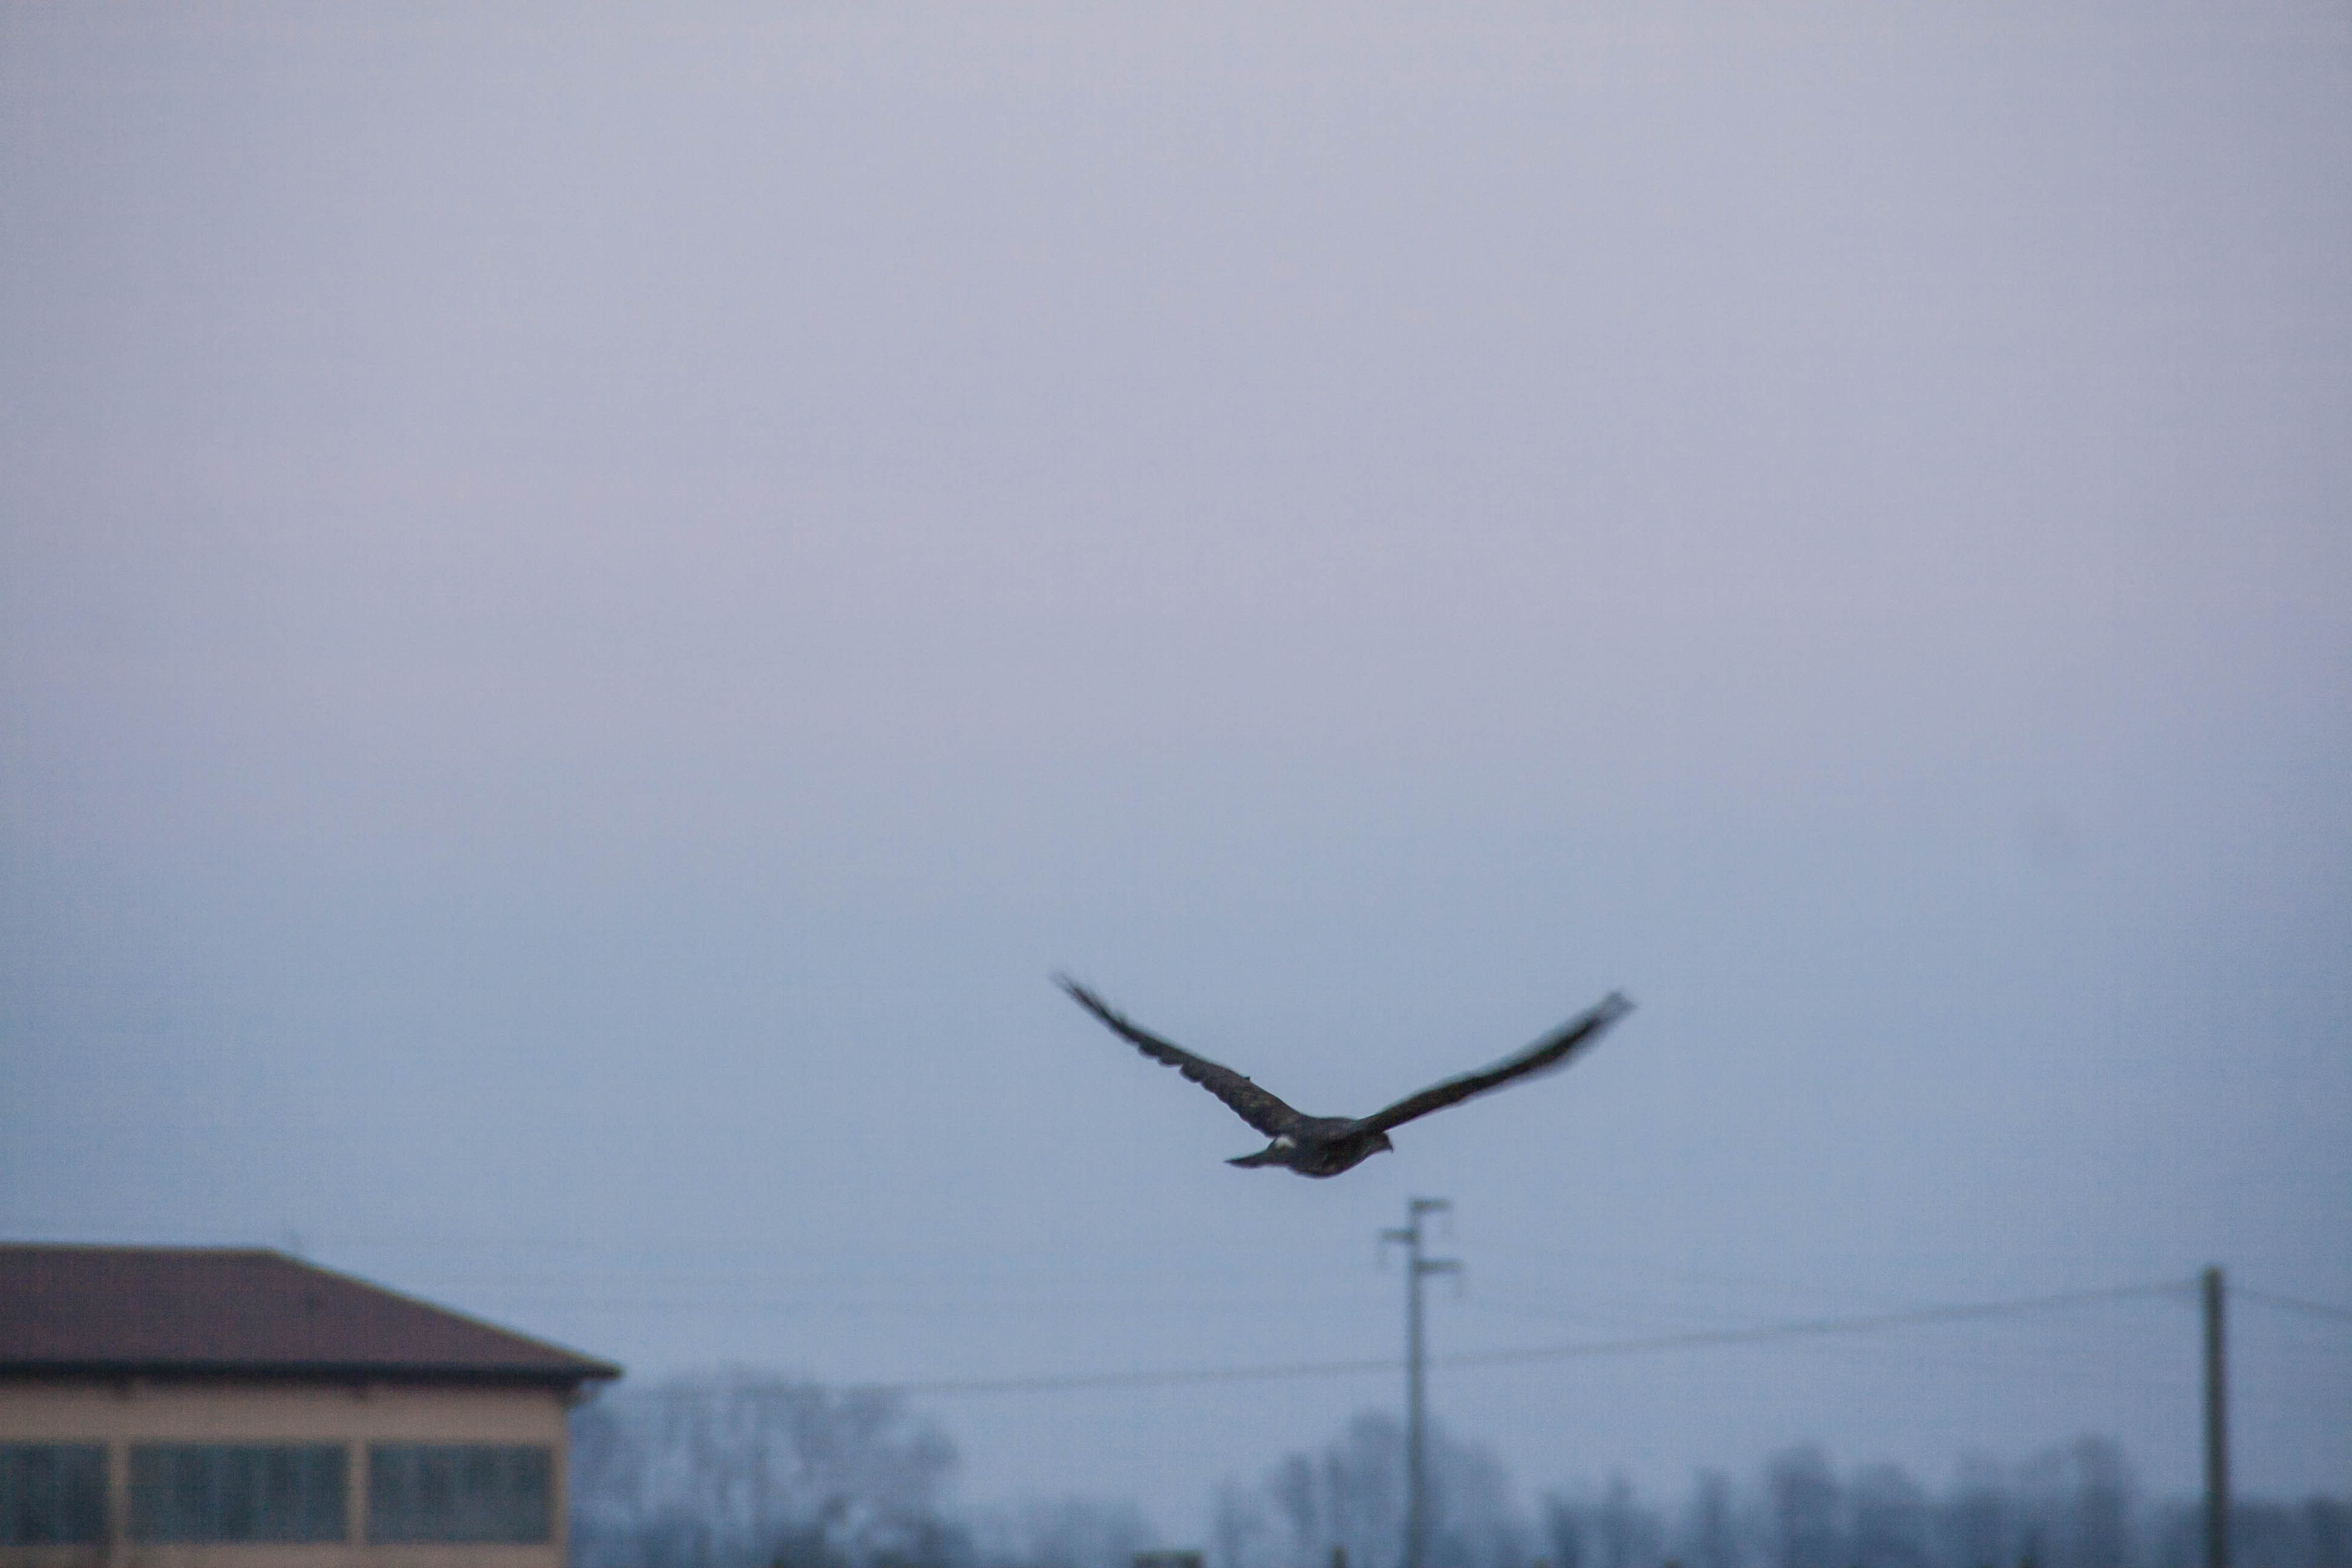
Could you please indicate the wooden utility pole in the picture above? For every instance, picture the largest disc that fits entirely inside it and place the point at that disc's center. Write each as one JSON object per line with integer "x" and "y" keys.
{"x": 1416, "y": 1457}
{"x": 2217, "y": 1428}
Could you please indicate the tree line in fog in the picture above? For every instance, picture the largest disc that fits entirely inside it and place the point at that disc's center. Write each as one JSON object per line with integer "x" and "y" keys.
{"x": 738, "y": 1470}
{"x": 744, "y": 1471}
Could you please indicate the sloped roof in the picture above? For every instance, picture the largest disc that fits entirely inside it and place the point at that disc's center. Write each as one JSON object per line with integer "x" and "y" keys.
{"x": 170, "y": 1311}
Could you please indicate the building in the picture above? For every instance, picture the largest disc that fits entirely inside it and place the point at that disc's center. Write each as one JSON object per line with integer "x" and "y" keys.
{"x": 166, "y": 1408}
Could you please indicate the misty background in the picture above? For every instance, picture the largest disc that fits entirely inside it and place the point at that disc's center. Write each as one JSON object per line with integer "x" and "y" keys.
{"x": 741, "y": 1469}
{"x": 589, "y": 603}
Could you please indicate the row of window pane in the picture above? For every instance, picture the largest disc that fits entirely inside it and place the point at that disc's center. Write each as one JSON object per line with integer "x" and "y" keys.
{"x": 52, "y": 1493}
{"x": 200, "y": 1492}
{"x": 420, "y": 1492}
{"x": 219, "y": 1491}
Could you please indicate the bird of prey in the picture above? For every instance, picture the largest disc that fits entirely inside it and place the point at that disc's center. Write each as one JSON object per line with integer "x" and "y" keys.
{"x": 1326, "y": 1145}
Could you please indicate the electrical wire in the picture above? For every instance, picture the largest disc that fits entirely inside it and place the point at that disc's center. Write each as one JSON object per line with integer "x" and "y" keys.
{"x": 1639, "y": 1346}
{"x": 2290, "y": 1304}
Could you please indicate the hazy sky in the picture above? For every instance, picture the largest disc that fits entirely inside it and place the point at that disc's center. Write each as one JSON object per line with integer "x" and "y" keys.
{"x": 589, "y": 606}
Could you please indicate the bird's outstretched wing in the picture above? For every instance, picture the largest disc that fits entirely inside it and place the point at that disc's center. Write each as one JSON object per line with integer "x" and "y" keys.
{"x": 1254, "y": 1105}
{"x": 1551, "y": 1052}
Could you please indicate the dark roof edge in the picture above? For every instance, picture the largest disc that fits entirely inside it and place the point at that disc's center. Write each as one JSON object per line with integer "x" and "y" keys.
{"x": 584, "y": 1371}
{"x": 563, "y": 1366}
{"x": 603, "y": 1369}
{"x": 182, "y": 1249}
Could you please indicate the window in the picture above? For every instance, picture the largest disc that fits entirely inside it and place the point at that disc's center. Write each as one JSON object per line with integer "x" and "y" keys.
{"x": 473, "y": 1491}
{"x": 52, "y": 1493}
{"x": 217, "y": 1491}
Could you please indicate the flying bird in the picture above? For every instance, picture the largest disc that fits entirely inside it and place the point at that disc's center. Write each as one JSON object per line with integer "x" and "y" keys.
{"x": 1326, "y": 1145}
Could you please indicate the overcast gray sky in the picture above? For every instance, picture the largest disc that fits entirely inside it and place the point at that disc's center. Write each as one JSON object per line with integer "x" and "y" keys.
{"x": 590, "y": 605}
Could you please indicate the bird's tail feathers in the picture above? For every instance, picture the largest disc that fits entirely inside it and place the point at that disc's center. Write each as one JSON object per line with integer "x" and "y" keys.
{"x": 1269, "y": 1155}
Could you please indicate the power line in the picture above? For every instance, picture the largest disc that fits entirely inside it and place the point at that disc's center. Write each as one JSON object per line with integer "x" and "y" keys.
{"x": 1818, "y": 1326}
{"x": 2290, "y": 1304}
{"x": 1597, "y": 1348}
{"x": 1079, "y": 1381}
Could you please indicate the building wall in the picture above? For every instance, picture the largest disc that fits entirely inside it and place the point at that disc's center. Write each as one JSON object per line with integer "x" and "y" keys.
{"x": 122, "y": 1414}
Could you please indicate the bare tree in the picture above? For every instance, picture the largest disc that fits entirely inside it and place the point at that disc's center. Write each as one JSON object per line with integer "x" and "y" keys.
{"x": 1710, "y": 1533}
{"x": 1567, "y": 1526}
{"x": 1890, "y": 1520}
{"x": 1350, "y": 1496}
{"x": 1242, "y": 1538}
{"x": 2075, "y": 1505}
{"x": 1628, "y": 1534}
{"x": 2328, "y": 1532}
{"x": 2072, "y": 1505}
{"x": 2101, "y": 1507}
{"x": 1364, "y": 1482}
{"x": 1299, "y": 1495}
{"x": 1473, "y": 1521}
{"x": 1065, "y": 1532}
{"x": 1805, "y": 1504}
{"x": 1976, "y": 1516}
{"x": 738, "y": 1470}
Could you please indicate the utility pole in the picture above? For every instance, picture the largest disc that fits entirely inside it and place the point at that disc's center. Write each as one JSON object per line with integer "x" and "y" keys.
{"x": 1416, "y": 1455}
{"x": 2217, "y": 1429}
